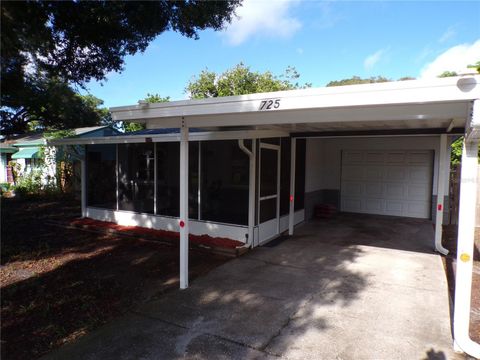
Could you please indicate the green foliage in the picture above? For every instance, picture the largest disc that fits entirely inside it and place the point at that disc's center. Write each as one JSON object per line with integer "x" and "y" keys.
{"x": 447, "y": 74}
{"x": 475, "y": 66}
{"x": 48, "y": 46}
{"x": 49, "y": 104}
{"x": 5, "y": 187}
{"x": 156, "y": 98}
{"x": 355, "y": 80}
{"x": 29, "y": 184}
{"x": 456, "y": 153}
{"x": 128, "y": 126}
{"x": 240, "y": 80}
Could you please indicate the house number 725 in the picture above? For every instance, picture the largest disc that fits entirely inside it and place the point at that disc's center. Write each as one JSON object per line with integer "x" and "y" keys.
{"x": 269, "y": 104}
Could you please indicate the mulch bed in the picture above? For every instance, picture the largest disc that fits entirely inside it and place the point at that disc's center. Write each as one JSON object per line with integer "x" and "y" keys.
{"x": 161, "y": 234}
{"x": 450, "y": 242}
{"x": 59, "y": 283}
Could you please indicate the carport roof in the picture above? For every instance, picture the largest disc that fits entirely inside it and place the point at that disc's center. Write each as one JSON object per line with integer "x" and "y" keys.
{"x": 416, "y": 104}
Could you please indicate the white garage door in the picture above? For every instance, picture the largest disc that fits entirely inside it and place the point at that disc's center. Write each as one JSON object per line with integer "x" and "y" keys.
{"x": 387, "y": 182}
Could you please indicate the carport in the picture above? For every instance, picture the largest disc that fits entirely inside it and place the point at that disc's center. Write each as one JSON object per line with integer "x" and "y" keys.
{"x": 376, "y": 148}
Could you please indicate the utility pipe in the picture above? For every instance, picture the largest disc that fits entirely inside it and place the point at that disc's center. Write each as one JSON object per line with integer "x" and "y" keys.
{"x": 251, "y": 188}
{"x": 442, "y": 165}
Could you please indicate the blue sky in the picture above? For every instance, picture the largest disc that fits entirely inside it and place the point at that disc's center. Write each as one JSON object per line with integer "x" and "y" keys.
{"x": 324, "y": 41}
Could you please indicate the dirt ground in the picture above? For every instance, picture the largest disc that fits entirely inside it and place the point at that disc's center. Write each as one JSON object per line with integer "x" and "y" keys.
{"x": 450, "y": 241}
{"x": 58, "y": 284}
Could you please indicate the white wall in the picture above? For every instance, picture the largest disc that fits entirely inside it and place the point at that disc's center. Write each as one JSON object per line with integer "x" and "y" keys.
{"x": 323, "y": 156}
{"x": 3, "y": 168}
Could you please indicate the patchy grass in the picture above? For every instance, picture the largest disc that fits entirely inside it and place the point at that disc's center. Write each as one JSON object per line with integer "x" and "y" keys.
{"x": 59, "y": 284}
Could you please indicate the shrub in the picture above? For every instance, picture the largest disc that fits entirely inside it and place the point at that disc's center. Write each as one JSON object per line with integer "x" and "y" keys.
{"x": 29, "y": 184}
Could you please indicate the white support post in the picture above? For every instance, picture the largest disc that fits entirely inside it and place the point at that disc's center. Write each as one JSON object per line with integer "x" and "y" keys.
{"x": 441, "y": 184}
{"x": 83, "y": 166}
{"x": 291, "y": 214}
{"x": 464, "y": 266}
{"x": 183, "y": 221}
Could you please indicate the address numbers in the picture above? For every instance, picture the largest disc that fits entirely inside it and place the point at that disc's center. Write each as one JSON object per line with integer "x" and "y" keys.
{"x": 270, "y": 104}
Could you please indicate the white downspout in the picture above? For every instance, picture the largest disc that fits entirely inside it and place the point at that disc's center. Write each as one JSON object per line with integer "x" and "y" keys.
{"x": 466, "y": 236}
{"x": 251, "y": 188}
{"x": 442, "y": 164}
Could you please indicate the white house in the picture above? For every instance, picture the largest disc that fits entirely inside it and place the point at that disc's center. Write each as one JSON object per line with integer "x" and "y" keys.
{"x": 26, "y": 151}
{"x": 251, "y": 167}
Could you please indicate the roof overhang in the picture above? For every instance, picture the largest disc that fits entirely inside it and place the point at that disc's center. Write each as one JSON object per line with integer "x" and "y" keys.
{"x": 195, "y": 136}
{"x": 414, "y": 104}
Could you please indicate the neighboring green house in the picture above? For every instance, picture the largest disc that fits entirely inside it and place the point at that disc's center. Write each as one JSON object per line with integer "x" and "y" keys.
{"x": 26, "y": 151}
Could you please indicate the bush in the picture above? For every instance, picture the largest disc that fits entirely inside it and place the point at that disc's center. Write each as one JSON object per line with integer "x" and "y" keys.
{"x": 29, "y": 184}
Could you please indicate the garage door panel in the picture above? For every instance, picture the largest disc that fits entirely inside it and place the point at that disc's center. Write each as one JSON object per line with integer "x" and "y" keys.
{"x": 393, "y": 182}
{"x": 396, "y": 157}
{"x": 352, "y": 157}
{"x": 374, "y": 173}
{"x": 374, "y": 157}
{"x": 374, "y": 190}
{"x": 353, "y": 172}
{"x": 417, "y": 209}
{"x": 352, "y": 205}
{"x": 417, "y": 192}
{"x": 418, "y": 158}
{"x": 352, "y": 189}
{"x": 419, "y": 174}
{"x": 396, "y": 173}
{"x": 394, "y": 208}
{"x": 374, "y": 205}
{"x": 395, "y": 191}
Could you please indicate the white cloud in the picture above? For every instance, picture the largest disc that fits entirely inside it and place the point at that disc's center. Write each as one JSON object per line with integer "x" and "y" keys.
{"x": 373, "y": 59}
{"x": 260, "y": 18}
{"x": 447, "y": 35}
{"x": 454, "y": 59}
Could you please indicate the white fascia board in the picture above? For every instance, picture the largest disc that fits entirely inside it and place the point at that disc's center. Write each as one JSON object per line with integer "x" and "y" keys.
{"x": 339, "y": 115}
{"x": 391, "y": 93}
{"x": 196, "y": 136}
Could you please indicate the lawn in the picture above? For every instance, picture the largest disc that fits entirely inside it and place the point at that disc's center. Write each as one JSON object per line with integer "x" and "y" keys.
{"x": 57, "y": 284}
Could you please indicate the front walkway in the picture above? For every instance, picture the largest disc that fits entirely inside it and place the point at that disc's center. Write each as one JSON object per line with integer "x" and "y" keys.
{"x": 357, "y": 287}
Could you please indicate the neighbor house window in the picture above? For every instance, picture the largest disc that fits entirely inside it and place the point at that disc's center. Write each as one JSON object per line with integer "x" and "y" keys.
{"x": 224, "y": 182}
{"x": 136, "y": 177}
{"x": 101, "y": 176}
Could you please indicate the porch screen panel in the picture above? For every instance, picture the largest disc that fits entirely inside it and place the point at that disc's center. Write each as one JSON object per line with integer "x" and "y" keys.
{"x": 168, "y": 179}
{"x": 224, "y": 182}
{"x": 136, "y": 177}
{"x": 193, "y": 179}
{"x": 101, "y": 176}
{"x": 300, "y": 174}
{"x": 285, "y": 176}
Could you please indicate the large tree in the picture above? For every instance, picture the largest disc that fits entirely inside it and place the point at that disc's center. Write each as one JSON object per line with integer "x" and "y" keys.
{"x": 240, "y": 80}
{"x": 73, "y": 42}
{"x": 354, "y": 80}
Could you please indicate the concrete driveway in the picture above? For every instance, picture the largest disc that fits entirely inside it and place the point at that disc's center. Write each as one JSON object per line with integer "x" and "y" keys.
{"x": 357, "y": 287}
